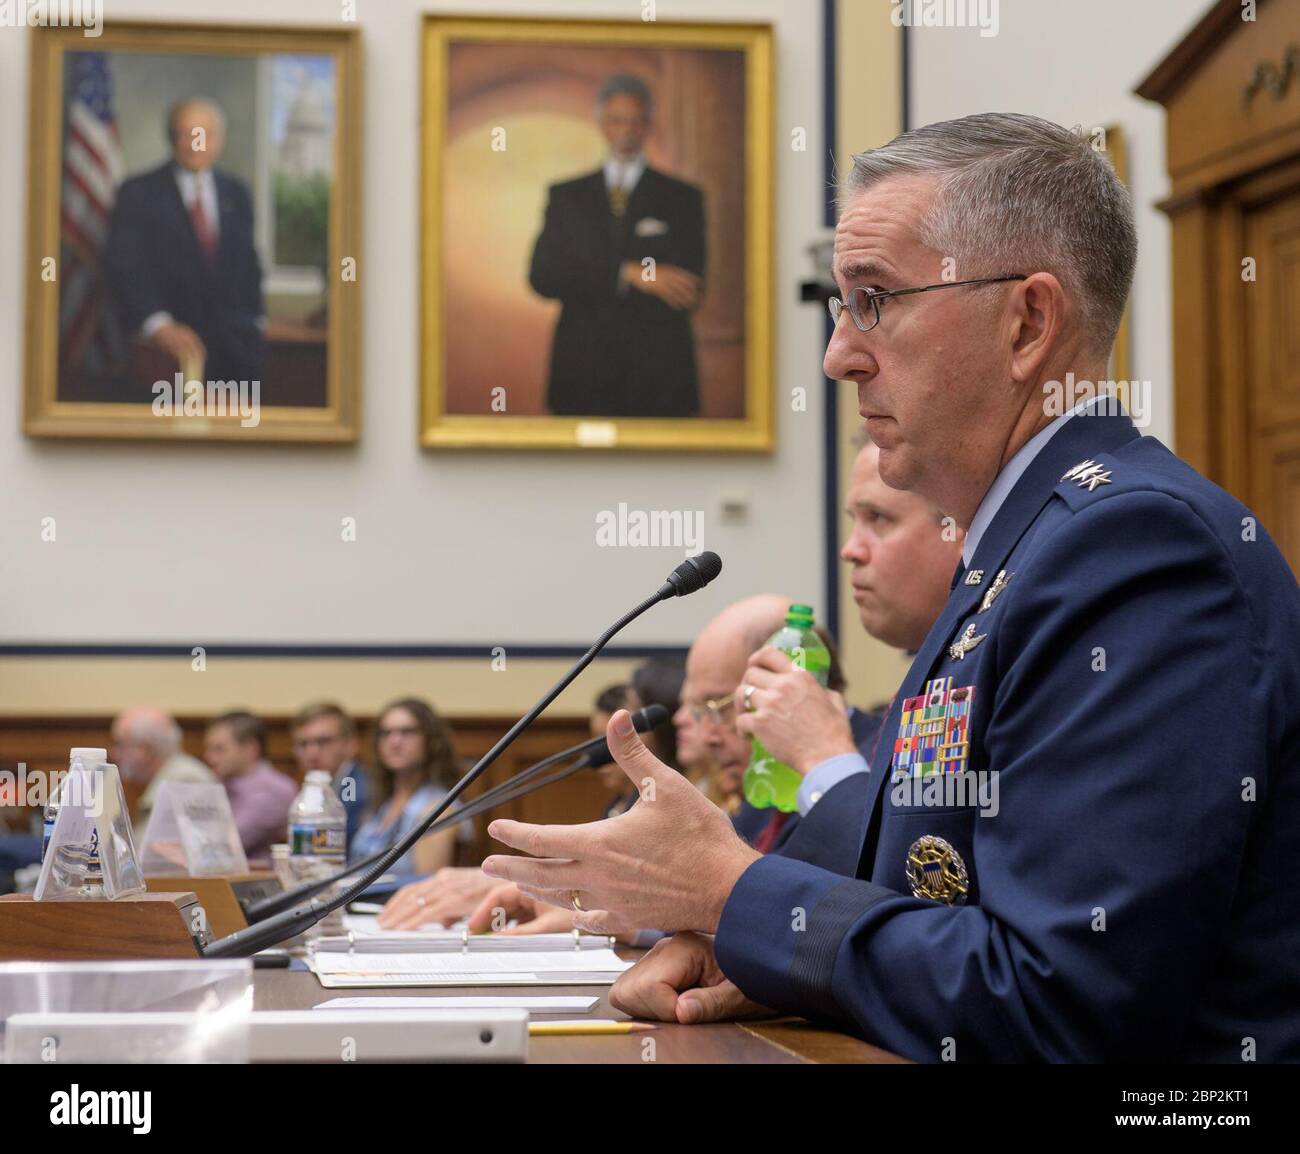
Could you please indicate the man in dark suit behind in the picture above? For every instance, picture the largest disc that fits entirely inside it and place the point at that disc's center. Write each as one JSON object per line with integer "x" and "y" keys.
{"x": 622, "y": 249}
{"x": 180, "y": 263}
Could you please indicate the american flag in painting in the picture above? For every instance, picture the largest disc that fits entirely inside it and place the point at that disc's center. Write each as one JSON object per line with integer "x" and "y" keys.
{"x": 92, "y": 170}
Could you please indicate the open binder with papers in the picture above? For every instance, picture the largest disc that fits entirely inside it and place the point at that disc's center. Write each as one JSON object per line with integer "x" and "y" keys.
{"x": 463, "y": 960}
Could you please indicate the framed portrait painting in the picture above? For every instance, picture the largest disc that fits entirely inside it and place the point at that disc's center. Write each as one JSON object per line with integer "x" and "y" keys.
{"x": 193, "y": 208}
{"x": 596, "y": 235}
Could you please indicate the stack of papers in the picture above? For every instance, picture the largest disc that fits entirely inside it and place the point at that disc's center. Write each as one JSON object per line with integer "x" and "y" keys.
{"x": 537, "y": 1004}
{"x": 457, "y": 966}
{"x": 368, "y": 957}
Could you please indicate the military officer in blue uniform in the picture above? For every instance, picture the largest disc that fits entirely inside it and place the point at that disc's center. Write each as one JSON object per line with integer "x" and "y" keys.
{"x": 1077, "y": 834}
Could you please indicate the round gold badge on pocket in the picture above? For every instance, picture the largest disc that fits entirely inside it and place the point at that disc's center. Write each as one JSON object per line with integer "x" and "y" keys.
{"x": 936, "y": 872}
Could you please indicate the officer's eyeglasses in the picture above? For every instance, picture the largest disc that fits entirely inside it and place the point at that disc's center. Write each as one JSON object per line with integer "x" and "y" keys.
{"x": 713, "y": 711}
{"x": 864, "y": 303}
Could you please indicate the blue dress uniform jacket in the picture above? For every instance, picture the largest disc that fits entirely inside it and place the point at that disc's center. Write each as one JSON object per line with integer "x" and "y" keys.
{"x": 1134, "y": 685}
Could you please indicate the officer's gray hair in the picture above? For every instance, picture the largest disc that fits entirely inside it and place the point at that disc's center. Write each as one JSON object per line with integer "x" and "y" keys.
{"x": 628, "y": 85}
{"x": 1017, "y": 194}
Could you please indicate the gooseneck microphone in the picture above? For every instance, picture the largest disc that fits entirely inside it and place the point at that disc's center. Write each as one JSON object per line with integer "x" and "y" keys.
{"x": 693, "y": 574}
{"x": 591, "y": 753}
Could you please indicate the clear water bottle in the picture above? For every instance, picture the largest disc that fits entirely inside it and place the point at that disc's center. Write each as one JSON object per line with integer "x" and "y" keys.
{"x": 318, "y": 839}
{"x": 769, "y": 782}
{"x": 80, "y": 755}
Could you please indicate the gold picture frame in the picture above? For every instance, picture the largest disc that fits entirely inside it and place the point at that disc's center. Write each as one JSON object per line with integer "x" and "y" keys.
{"x": 1121, "y": 357}
{"x": 566, "y": 61}
{"x": 308, "y": 330}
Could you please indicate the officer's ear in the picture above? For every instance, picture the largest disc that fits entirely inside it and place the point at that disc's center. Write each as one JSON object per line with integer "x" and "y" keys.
{"x": 1036, "y": 319}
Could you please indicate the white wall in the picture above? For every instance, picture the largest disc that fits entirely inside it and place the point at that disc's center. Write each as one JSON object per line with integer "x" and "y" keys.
{"x": 214, "y": 543}
{"x": 1077, "y": 63}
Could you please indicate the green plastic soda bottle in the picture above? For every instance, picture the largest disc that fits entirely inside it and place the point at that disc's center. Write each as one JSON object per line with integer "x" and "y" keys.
{"x": 769, "y": 782}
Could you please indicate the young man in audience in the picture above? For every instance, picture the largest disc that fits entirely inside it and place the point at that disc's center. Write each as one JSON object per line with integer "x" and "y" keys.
{"x": 145, "y": 745}
{"x": 260, "y": 795}
{"x": 325, "y": 737}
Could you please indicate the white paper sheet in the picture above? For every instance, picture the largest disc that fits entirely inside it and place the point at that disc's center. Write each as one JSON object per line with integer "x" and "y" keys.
{"x": 541, "y": 1004}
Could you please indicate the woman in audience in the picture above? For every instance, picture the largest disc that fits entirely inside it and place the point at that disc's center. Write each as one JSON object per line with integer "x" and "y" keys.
{"x": 416, "y": 765}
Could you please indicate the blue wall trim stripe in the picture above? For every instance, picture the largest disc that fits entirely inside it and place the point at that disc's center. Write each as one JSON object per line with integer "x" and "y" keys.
{"x": 380, "y": 651}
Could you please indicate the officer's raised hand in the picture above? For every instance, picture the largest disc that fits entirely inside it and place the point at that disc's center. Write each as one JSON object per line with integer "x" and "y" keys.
{"x": 668, "y": 863}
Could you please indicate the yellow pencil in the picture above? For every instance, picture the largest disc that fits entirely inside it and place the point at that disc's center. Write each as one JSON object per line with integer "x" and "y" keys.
{"x": 596, "y": 1027}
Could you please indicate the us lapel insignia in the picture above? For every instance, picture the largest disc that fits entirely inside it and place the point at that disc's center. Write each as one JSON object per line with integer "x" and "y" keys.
{"x": 933, "y": 731}
{"x": 1087, "y": 475}
{"x": 1000, "y": 582}
{"x": 974, "y": 576}
{"x": 936, "y": 872}
{"x": 965, "y": 643}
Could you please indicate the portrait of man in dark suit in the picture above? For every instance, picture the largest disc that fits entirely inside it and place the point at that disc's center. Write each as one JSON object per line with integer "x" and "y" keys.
{"x": 623, "y": 251}
{"x": 179, "y": 260}
{"x": 202, "y": 235}
{"x": 598, "y": 267}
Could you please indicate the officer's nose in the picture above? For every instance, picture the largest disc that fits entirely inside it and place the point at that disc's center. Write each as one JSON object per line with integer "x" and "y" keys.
{"x": 847, "y": 355}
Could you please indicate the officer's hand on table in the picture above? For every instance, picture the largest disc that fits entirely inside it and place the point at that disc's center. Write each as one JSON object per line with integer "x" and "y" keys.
{"x": 507, "y": 901}
{"x": 444, "y": 898}
{"x": 798, "y": 722}
{"x": 679, "y": 981}
{"x": 669, "y": 862}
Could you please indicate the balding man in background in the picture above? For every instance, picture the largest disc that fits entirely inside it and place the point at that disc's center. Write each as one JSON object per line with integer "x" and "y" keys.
{"x": 145, "y": 744}
{"x": 181, "y": 266}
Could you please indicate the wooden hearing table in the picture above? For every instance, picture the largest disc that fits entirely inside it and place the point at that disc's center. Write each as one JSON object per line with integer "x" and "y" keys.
{"x": 784, "y": 1040}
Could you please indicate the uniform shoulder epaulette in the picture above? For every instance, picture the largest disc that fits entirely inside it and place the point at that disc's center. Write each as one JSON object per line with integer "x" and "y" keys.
{"x": 1096, "y": 476}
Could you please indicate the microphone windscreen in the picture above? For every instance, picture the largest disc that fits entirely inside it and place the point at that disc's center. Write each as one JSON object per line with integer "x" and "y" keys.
{"x": 693, "y": 573}
{"x": 651, "y": 717}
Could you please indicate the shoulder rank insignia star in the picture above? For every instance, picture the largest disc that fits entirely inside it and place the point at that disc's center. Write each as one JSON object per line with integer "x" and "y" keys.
{"x": 974, "y": 576}
{"x": 965, "y": 643}
{"x": 1087, "y": 475}
{"x": 1000, "y": 582}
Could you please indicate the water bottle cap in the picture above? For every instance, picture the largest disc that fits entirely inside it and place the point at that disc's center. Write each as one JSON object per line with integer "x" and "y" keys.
{"x": 319, "y": 776}
{"x": 799, "y": 615}
{"x": 87, "y": 755}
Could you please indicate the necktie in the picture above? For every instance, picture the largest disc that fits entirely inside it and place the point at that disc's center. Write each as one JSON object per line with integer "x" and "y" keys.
{"x": 768, "y": 835}
{"x": 617, "y": 199}
{"x": 203, "y": 228}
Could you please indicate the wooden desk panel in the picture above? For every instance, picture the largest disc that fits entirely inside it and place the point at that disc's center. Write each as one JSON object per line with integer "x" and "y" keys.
{"x": 787, "y": 1041}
